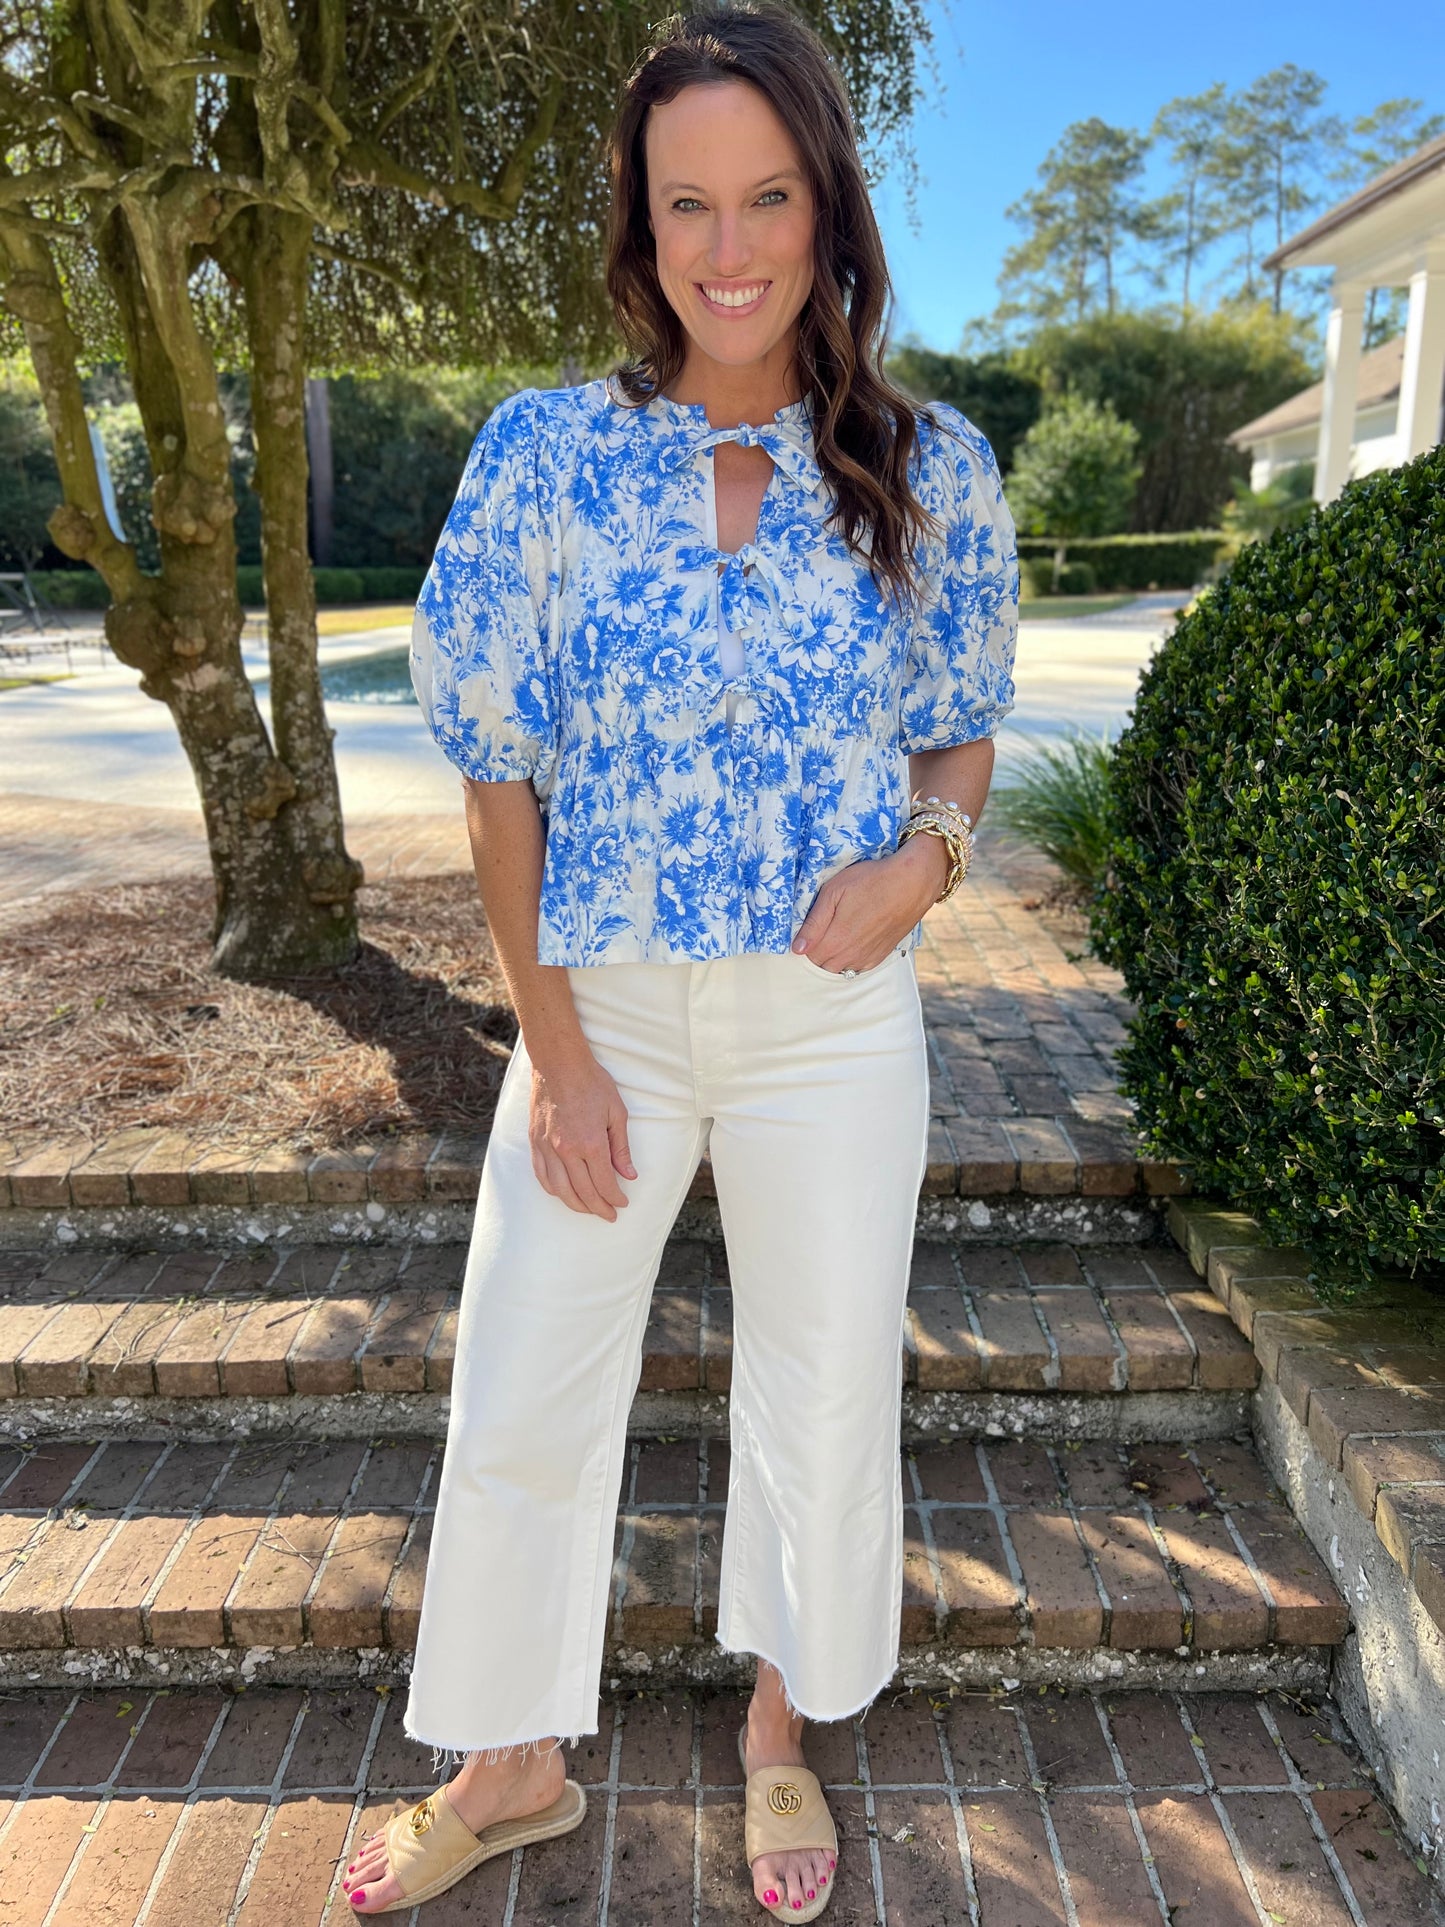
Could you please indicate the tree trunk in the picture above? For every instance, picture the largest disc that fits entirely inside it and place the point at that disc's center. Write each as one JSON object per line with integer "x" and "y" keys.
{"x": 1061, "y": 552}
{"x": 323, "y": 469}
{"x": 272, "y": 251}
{"x": 181, "y": 629}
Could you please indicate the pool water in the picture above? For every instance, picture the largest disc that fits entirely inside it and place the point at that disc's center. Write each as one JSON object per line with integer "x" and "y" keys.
{"x": 382, "y": 678}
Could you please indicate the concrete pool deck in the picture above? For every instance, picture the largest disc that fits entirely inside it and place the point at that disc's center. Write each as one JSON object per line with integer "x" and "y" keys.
{"x": 95, "y": 789}
{"x": 94, "y": 738}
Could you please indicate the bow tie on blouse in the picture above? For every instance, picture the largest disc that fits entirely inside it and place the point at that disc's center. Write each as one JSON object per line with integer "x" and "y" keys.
{"x": 788, "y": 444}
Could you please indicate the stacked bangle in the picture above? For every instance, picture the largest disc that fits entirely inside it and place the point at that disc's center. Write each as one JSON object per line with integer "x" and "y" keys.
{"x": 953, "y": 826}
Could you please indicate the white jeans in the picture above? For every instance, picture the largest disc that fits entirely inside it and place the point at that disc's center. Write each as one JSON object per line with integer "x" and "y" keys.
{"x": 811, "y": 1090}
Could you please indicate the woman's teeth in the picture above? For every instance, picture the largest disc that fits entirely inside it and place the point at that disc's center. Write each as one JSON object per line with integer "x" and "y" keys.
{"x": 735, "y": 297}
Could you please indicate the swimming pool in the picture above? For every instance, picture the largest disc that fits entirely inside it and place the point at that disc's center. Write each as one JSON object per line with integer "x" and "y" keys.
{"x": 382, "y": 678}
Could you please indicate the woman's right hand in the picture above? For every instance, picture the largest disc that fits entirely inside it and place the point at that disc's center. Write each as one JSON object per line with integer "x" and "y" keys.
{"x": 578, "y": 1132}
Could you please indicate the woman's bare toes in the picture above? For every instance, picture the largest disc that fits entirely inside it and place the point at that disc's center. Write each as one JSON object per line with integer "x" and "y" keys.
{"x": 376, "y": 1894}
{"x": 367, "y": 1882}
{"x": 767, "y": 1886}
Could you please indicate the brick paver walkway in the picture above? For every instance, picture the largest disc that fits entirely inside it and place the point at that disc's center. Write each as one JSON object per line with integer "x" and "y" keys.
{"x": 1022, "y": 1030}
{"x": 49, "y": 844}
{"x": 198, "y": 1809}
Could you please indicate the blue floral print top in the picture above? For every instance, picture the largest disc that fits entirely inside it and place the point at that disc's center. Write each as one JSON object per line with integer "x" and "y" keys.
{"x": 567, "y": 633}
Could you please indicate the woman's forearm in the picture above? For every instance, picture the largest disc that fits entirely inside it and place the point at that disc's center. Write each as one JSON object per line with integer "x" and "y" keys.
{"x": 509, "y": 841}
{"x": 961, "y": 775}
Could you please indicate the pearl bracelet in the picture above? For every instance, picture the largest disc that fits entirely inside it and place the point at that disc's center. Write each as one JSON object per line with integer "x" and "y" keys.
{"x": 939, "y": 823}
{"x": 944, "y": 819}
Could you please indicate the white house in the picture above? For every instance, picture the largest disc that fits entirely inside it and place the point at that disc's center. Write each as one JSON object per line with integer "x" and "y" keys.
{"x": 1288, "y": 435}
{"x": 1379, "y": 409}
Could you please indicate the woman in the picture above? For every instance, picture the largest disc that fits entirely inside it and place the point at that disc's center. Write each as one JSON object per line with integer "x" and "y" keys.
{"x": 687, "y": 634}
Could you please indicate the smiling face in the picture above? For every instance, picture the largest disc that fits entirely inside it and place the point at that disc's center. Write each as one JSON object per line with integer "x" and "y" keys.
{"x": 732, "y": 217}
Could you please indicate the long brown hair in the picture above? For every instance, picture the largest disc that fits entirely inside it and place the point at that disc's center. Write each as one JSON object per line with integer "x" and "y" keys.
{"x": 864, "y": 428}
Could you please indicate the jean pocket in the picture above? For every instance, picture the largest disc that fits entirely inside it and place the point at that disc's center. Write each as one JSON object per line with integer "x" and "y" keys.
{"x": 873, "y": 970}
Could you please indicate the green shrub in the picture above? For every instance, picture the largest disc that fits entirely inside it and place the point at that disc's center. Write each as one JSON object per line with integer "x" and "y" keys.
{"x": 1253, "y": 515}
{"x": 71, "y": 588}
{"x": 1078, "y": 578}
{"x": 1037, "y": 577}
{"x": 1139, "y": 561}
{"x": 1275, "y": 885}
{"x": 1055, "y": 796}
{"x": 339, "y": 585}
{"x": 83, "y": 588}
{"x": 392, "y": 585}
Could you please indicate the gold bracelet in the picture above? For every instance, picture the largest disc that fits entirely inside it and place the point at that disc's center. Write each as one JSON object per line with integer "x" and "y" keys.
{"x": 961, "y": 820}
{"x": 927, "y": 824}
{"x": 959, "y": 815}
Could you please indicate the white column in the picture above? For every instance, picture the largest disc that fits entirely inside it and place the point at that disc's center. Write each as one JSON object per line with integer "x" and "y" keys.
{"x": 1342, "y": 379}
{"x": 1417, "y": 425}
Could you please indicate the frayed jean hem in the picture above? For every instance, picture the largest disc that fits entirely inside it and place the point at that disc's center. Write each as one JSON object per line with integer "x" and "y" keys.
{"x": 860, "y": 1711}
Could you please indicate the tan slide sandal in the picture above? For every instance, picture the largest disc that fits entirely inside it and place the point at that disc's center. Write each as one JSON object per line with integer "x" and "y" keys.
{"x": 429, "y": 1849}
{"x": 786, "y": 1813}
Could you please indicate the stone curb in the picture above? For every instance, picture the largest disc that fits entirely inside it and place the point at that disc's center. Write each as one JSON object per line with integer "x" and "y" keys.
{"x": 1144, "y": 1564}
{"x": 1367, "y": 1385}
{"x": 102, "y": 1331}
{"x": 967, "y": 1157}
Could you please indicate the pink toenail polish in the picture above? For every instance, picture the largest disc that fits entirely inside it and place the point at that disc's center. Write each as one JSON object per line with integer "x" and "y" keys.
{"x": 358, "y": 1896}
{"x": 797, "y": 1903}
{"x": 770, "y": 1898}
{"x": 822, "y": 1880}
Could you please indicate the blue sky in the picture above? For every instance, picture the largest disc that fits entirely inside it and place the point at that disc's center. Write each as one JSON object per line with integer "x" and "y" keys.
{"x": 1010, "y": 79}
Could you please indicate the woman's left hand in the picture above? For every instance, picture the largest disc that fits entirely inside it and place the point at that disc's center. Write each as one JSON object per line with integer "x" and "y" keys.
{"x": 863, "y": 912}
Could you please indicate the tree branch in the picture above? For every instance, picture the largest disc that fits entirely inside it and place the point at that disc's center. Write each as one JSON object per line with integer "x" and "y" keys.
{"x": 381, "y": 270}
{"x": 120, "y": 116}
{"x": 43, "y": 112}
{"x": 368, "y": 165}
{"x": 418, "y": 83}
{"x": 44, "y": 183}
{"x": 33, "y": 294}
{"x": 512, "y": 178}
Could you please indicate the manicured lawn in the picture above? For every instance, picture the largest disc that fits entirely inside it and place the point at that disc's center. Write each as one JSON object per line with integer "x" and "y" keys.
{"x": 1058, "y": 608}
{"x": 24, "y": 682}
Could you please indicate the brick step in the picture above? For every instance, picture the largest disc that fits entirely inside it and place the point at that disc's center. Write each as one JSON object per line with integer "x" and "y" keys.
{"x": 1043, "y": 1340}
{"x": 303, "y": 1562}
{"x": 187, "y": 1809}
{"x": 1018, "y": 1148}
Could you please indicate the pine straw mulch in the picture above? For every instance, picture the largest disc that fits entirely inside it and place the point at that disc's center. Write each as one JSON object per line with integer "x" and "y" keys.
{"x": 111, "y": 1018}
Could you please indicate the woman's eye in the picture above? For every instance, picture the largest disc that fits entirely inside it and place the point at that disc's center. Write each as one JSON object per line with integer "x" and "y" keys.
{"x": 774, "y": 193}
{"x": 685, "y": 201}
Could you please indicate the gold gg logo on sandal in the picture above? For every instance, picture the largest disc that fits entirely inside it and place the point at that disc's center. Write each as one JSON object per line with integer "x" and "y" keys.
{"x": 784, "y": 1798}
{"x": 420, "y": 1819}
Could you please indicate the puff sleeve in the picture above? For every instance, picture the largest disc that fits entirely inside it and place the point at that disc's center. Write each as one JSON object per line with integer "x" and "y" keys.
{"x": 958, "y": 678}
{"x": 482, "y": 661}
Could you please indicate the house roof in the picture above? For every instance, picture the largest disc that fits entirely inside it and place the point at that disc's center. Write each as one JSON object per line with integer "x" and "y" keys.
{"x": 1378, "y": 382}
{"x": 1425, "y": 160}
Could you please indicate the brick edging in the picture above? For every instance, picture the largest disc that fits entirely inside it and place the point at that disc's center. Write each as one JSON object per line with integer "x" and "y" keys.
{"x": 1367, "y": 1383}
{"x": 1027, "y": 1156}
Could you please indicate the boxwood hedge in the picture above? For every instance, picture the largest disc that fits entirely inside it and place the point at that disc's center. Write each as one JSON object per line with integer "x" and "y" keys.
{"x": 1275, "y": 896}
